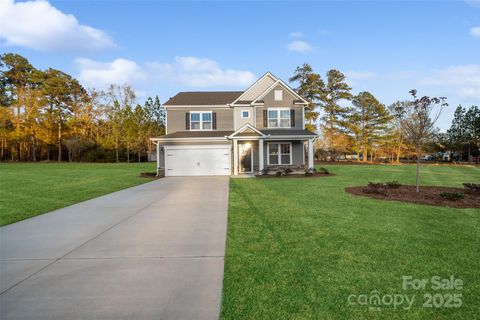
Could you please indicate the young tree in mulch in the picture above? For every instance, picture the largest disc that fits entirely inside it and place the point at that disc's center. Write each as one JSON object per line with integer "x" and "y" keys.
{"x": 417, "y": 118}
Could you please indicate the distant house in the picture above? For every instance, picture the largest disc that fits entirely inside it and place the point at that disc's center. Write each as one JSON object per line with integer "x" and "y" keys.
{"x": 235, "y": 132}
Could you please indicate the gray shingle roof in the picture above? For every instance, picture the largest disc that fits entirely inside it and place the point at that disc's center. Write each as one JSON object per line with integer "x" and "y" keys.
{"x": 197, "y": 134}
{"x": 221, "y": 134}
{"x": 288, "y": 132}
{"x": 203, "y": 98}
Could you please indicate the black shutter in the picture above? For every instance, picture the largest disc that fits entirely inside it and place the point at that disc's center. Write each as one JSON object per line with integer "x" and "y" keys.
{"x": 265, "y": 119}
{"x": 214, "y": 120}
{"x": 187, "y": 121}
{"x": 292, "y": 118}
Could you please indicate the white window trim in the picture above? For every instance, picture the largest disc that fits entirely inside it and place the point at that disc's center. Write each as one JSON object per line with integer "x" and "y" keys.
{"x": 278, "y": 117}
{"x": 279, "y": 93}
{"x": 279, "y": 153}
{"x": 247, "y": 111}
{"x": 201, "y": 120}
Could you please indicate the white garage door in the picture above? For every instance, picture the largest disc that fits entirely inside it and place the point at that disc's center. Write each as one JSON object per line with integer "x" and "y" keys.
{"x": 197, "y": 160}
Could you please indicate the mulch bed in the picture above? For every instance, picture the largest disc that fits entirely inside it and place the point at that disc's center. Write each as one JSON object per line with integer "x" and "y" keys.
{"x": 151, "y": 175}
{"x": 427, "y": 195}
{"x": 295, "y": 175}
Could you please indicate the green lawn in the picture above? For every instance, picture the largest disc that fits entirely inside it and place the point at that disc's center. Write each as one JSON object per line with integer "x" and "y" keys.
{"x": 30, "y": 189}
{"x": 298, "y": 248}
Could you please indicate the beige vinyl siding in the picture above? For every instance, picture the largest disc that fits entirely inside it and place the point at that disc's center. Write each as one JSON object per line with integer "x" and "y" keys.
{"x": 239, "y": 121}
{"x": 258, "y": 89}
{"x": 287, "y": 100}
{"x": 176, "y": 118}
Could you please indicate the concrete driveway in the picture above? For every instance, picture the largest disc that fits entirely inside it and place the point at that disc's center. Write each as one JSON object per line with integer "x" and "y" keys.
{"x": 154, "y": 251}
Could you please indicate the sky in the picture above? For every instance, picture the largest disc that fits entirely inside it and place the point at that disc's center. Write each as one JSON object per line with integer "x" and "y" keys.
{"x": 161, "y": 47}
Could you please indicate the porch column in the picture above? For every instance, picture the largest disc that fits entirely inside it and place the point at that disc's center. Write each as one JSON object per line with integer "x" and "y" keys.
{"x": 260, "y": 155}
{"x": 310, "y": 153}
{"x": 158, "y": 157}
{"x": 235, "y": 157}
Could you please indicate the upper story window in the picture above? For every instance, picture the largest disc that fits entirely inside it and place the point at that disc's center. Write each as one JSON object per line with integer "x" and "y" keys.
{"x": 278, "y": 95}
{"x": 279, "y": 118}
{"x": 201, "y": 120}
{"x": 245, "y": 114}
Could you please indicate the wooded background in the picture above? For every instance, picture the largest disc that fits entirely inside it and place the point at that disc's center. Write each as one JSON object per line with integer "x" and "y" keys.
{"x": 49, "y": 115}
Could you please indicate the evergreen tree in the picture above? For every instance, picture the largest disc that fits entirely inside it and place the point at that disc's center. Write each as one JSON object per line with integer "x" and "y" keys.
{"x": 333, "y": 93}
{"x": 310, "y": 88}
{"x": 369, "y": 122}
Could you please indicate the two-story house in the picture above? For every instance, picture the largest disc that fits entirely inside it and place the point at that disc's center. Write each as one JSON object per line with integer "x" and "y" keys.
{"x": 224, "y": 133}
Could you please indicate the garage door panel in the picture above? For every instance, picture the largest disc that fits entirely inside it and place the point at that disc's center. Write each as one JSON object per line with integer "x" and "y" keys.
{"x": 197, "y": 160}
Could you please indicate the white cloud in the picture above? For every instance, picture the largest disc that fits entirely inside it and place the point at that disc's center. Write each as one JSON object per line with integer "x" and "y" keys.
{"x": 189, "y": 71}
{"x": 461, "y": 80}
{"x": 475, "y": 3}
{"x": 202, "y": 72}
{"x": 296, "y": 34}
{"x": 102, "y": 74}
{"x": 475, "y": 32}
{"x": 299, "y": 46}
{"x": 40, "y": 26}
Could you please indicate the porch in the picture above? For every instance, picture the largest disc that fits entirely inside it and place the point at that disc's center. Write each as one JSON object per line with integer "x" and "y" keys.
{"x": 254, "y": 155}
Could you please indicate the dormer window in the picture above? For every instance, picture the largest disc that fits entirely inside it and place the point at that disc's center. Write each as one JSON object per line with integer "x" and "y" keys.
{"x": 201, "y": 120}
{"x": 278, "y": 95}
{"x": 279, "y": 118}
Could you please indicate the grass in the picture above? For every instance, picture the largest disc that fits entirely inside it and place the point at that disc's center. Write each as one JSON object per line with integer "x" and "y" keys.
{"x": 297, "y": 248}
{"x": 30, "y": 189}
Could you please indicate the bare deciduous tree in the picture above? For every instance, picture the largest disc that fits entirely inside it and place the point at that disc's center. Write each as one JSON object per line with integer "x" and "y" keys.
{"x": 417, "y": 119}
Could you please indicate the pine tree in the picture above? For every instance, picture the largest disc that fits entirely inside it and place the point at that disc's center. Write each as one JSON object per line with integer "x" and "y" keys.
{"x": 332, "y": 94}
{"x": 370, "y": 122}
{"x": 310, "y": 88}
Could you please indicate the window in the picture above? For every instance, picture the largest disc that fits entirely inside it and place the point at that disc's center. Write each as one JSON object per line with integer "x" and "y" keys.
{"x": 245, "y": 114}
{"x": 201, "y": 120}
{"x": 278, "y": 95}
{"x": 279, "y": 153}
{"x": 279, "y": 118}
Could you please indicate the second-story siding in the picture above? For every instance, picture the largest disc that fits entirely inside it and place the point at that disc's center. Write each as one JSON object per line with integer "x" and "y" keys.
{"x": 176, "y": 118}
{"x": 240, "y": 121}
{"x": 287, "y": 102}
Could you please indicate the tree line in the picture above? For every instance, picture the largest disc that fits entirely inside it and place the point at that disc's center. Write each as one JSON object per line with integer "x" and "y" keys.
{"x": 49, "y": 115}
{"x": 362, "y": 126}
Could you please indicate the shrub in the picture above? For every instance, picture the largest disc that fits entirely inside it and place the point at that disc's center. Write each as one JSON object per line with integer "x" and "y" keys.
{"x": 472, "y": 187}
{"x": 452, "y": 196}
{"x": 323, "y": 170}
{"x": 280, "y": 173}
{"x": 376, "y": 185}
{"x": 394, "y": 184}
{"x": 373, "y": 187}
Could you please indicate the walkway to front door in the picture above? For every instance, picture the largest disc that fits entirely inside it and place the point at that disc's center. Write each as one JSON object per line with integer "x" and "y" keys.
{"x": 155, "y": 251}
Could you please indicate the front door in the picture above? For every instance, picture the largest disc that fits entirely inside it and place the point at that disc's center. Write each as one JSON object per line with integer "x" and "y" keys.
{"x": 246, "y": 159}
